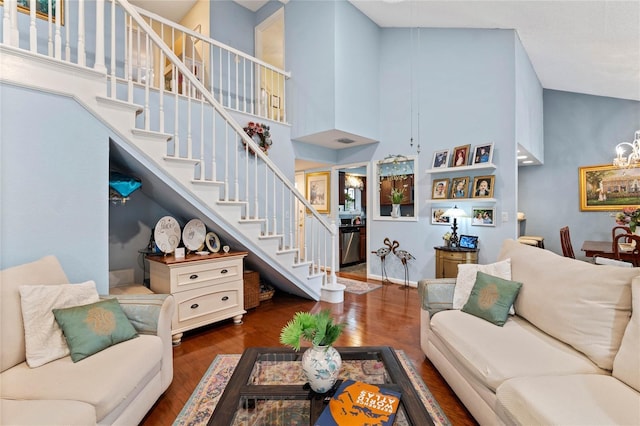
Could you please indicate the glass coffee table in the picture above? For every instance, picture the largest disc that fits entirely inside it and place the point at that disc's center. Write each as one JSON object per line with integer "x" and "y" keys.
{"x": 269, "y": 388}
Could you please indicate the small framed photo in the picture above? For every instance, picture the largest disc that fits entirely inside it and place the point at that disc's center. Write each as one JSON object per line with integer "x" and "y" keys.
{"x": 483, "y": 216}
{"x": 460, "y": 187}
{"x": 482, "y": 153}
{"x": 438, "y": 217}
{"x": 440, "y": 189}
{"x": 275, "y": 101}
{"x": 460, "y": 156}
{"x": 483, "y": 186}
{"x": 440, "y": 159}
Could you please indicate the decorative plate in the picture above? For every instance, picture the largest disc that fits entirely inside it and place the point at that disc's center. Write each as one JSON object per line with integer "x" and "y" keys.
{"x": 213, "y": 242}
{"x": 193, "y": 234}
{"x": 167, "y": 234}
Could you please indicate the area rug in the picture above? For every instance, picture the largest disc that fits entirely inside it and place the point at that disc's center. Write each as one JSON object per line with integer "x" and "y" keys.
{"x": 357, "y": 287}
{"x": 204, "y": 398}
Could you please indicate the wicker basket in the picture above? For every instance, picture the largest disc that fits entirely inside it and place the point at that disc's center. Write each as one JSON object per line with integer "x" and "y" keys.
{"x": 251, "y": 289}
{"x": 266, "y": 292}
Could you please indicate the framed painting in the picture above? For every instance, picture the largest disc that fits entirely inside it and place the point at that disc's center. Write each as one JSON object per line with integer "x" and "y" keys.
{"x": 483, "y": 216}
{"x": 440, "y": 189}
{"x": 482, "y": 153}
{"x": 483, "y": 186}
{"x": 460, "y": 187}
{"x": 318, "y": 190}
{"x": 440, "y": 159}
{"x": 42, "y": 8}
{"x": 438, "y": 217}
{"x": 608, "y": 188}
{"x": 460, "y": 156}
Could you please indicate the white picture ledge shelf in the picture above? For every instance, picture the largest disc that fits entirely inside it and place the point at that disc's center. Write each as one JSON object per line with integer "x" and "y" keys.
{"x": 482, "y": 166}
{"x": 462, "y": 200}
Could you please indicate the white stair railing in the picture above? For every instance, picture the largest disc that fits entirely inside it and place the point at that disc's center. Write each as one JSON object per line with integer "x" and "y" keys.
{"x": 202, "y": 131}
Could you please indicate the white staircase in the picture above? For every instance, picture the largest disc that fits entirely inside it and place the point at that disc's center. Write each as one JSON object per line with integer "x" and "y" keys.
{"x": 191, "y": 142}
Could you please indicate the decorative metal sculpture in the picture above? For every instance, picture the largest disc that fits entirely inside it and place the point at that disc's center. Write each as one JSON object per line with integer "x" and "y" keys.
{"x": 382, "y": 253}
{"x": 404, "y": 257}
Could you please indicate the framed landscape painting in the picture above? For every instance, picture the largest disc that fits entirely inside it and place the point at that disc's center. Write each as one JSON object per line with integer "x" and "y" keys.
{"x": 318, "y": 190}
{"x": 608, "y": 188}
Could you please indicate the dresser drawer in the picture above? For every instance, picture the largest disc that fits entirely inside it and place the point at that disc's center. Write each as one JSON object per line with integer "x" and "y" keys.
{"x": 201, "y": 274}
{"x": 206, "y": 305}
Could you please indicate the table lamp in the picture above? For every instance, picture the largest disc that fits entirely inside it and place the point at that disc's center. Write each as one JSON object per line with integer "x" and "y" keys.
{"x": 455, "y": 213}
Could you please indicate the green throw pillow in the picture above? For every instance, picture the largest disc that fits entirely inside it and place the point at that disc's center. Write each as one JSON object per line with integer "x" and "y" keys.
{"x": 91, "y": 328}
{"x": 491, "y": 297}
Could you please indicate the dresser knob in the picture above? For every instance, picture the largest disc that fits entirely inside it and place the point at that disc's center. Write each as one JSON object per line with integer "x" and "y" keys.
{"x": 195, "y": 306}
{"x": 225, "y": 298}
{"x": 224, "y": 271}
{"x": 193, "y": 277}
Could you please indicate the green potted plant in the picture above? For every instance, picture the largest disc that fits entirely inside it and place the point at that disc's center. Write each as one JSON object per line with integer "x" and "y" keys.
{"x": 319, "y": 329}
{"x": 320, "y": 363}
{"x": 397, "y": 195}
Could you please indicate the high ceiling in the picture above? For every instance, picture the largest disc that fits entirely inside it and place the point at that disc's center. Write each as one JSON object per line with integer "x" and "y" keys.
{"x": 590, "y": 46}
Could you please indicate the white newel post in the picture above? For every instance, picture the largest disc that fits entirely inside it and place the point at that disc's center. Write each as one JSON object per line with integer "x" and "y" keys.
{"x": 99, "y": 63}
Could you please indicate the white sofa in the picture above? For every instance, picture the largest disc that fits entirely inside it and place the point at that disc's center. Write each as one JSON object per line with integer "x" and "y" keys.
{"x": 117, "y": 385}
{"x": 570, "y": 355}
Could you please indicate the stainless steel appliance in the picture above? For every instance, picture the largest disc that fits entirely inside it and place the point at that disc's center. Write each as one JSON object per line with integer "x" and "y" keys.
{"x": 350, "y": 245}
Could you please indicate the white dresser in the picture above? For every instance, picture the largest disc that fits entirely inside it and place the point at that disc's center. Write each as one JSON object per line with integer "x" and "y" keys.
{"x": 207, "y": 288}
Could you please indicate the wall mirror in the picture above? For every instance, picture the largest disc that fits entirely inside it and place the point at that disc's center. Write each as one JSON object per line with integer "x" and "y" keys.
{"x": 397, "y": 197}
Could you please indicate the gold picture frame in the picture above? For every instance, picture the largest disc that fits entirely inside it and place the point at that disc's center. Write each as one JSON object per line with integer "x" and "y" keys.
{"x": 608, "y": 188}
{"x": 318, "y": 190}
{"x": 42, "y": 9}
{"x": 483, "y": 186}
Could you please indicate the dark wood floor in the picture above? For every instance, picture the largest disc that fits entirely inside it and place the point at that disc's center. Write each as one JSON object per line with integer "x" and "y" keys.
{"x": 388, "y": 316}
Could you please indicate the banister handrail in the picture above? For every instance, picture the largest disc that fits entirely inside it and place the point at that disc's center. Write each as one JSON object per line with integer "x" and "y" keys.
{"x": 222, "y": 111}
{"x": 209, "y": 40}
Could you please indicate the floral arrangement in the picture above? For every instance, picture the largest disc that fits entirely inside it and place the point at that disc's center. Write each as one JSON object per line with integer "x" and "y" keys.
{"x": 447, "y": 236}
{"x": 397, "y": 195}
{"x": 318, "y": 328}
{"x": 629, "y": 216}
{"x": 262, "y": 131}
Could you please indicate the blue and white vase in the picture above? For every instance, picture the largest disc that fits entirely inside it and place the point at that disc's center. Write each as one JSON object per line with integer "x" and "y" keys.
{"x": 321, "y": 365}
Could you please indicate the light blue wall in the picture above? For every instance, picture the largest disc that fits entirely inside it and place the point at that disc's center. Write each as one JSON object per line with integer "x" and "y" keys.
{"x": 529, "y": 110}
{"x": 579, "y": 130}
{"x": 54, "y": 180}
{"x": 233, "y": 25}
{"x": 466, "y": 95}
{"x": 310, "y": 55}
{"x": 357, "y": 41}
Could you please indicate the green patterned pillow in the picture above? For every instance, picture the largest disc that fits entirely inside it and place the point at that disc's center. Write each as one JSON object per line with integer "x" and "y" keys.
{"x": 491, "y": 297}
{"x": 91, "y": 328}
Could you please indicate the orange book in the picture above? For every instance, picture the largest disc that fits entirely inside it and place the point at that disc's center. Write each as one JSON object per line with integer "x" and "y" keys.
{"x": 357, "y": 403}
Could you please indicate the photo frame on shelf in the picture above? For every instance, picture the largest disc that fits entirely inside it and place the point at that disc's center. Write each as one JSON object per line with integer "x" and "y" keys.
{"x": 459, "y": 187}
{"x": 440, "y": 189}
{"x": 607, "y": 187}
{"x": 483, "y": 216}
{"x": 440, "y": 159}
{"x": 482, "y": 154}
{"x": 460, "y": 156}
{"x": 438, "y": 217}
{"x": 319, "y": 190}
{"x": 483, "y": 186}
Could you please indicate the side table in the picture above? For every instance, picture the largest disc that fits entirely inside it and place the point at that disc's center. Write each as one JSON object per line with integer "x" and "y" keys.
{"x": 207, "y": 288}
{"x": 448, "y": 259}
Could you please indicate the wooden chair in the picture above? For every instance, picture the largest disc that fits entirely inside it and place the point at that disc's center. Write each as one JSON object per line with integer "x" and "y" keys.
{"x": 565, "y": 242}
{"x": 620, "y": 229}
{"x": 632, "y": 254}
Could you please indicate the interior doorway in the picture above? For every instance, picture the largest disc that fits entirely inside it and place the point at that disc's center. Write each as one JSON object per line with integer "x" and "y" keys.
{"x": 269, "y": 48}
{"x": 353, "y": 214}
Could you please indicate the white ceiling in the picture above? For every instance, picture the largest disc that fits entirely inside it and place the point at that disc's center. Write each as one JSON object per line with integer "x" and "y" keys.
{"x": 590, "y": 46}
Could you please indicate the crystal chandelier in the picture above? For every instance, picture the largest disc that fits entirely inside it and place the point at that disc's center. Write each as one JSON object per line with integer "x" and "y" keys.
{"x": 631, "y": 160}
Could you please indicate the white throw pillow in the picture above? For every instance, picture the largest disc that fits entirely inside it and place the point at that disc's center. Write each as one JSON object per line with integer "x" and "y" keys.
{"x": 626, "y": 364}
{"x": 467, "y": 278}
{"x": 44, "y": 341}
